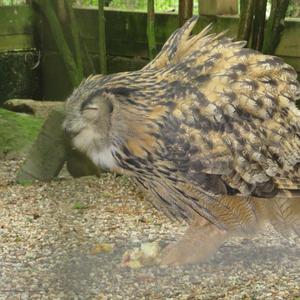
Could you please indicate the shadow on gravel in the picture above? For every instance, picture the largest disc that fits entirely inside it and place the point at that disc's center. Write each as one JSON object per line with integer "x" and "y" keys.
{"x": 101, "y": 274}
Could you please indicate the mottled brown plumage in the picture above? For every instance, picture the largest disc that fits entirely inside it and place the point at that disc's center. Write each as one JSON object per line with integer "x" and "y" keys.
{"x": 209, "y": 129}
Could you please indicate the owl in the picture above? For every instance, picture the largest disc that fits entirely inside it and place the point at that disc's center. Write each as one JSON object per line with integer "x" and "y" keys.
{"x": 208, "y": 129}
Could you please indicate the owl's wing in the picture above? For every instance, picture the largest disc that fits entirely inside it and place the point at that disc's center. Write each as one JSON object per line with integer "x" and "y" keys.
{"x": 234, "y": 123}
{"x": 225, "y": 125}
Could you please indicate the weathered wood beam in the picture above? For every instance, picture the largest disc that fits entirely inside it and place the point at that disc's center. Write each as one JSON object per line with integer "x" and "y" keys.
{"x": 75, "y": 33}
{"x": 246, "y": 20}
{"x": 217, "y": 7}
{"x": 259, "y": 24}
{"x": 275, "y": 25}
{"x": 151, "y": 29}
{"x": 60, "y": 41}
{"x": 88, "y": 64}
{"x": 102, "y": 38}
{"x": 185, "y": 10}
{"x": 48, "y": 153}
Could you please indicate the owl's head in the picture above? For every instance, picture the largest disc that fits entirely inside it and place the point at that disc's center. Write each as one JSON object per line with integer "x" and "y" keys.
{"x": 95, "y": 120}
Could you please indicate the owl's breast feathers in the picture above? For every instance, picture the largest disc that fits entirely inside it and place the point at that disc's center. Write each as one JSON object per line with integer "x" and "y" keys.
{"x": 212, "y": 118}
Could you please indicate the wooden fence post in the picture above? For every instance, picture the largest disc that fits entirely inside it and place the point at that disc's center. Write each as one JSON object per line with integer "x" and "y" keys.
{"x": 275, "y": 25}
{"x": 246, "y": 20}
{"x": 151, "y": 29}
{"x": 259, "y": 24}
{"x": 185, "y": 10}
{"x": 47, "y": 8}
{"x": 75, "y": 35}
{"x": 101, "y": 38}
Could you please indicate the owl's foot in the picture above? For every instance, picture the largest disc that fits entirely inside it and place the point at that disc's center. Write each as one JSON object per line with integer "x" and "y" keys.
{"x": 199, "y": 243}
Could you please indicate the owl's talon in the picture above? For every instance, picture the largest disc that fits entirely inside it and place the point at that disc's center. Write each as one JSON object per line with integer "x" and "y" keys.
{"x": 198, "y": 244}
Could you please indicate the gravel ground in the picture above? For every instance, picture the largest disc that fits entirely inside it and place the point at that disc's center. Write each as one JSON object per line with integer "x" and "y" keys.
{"x": 53, "y": 240}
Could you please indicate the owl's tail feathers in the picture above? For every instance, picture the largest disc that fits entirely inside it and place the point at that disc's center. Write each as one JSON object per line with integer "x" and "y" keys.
{"x": 249, "y": 214}
{"x": 284, "y": 212}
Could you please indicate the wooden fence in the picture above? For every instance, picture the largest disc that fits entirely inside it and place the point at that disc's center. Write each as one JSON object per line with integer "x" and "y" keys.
{"x": 126, "y": 40}
{"x": 16, "y": 28}
{"x": 18, "y": 78}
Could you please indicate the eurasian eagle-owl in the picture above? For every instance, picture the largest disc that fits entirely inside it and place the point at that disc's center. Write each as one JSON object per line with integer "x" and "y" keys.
{"x": 208, "y": 128}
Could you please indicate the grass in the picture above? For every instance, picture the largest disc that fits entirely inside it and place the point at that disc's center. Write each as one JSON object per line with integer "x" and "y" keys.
{"x": 25, "y": 182}
{"x": 79, "y": 206}
{"x": 17, "y": 131}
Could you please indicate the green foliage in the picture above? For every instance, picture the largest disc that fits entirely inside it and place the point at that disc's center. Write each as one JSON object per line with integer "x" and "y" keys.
{"x": 17, "y": 131}
{"x": 11, "y": 2}
{"x": 80, "y": 206}
{"x": 25, "y": 182}
{"x": 294, "y": 9}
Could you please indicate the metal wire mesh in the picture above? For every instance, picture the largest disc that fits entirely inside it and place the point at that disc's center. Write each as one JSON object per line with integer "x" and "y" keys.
{"x": 170, "y": 5}
{"x": 167, "y": 5}
{"x": 160, "y": 5}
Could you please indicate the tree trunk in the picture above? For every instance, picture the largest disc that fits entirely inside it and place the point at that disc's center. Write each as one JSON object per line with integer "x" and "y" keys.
{"x": 75, "y": 36}
{"x": 101, "y": 38}
{"x": 185, "y": 11}
{"x": 246, "y": 20}
{"x": 151, "y": 29}
{"x": 259, "y": 24}
{"x": 60, "y": 41}
{"x": 275, "y": 25}
{"x": 89, "y": 67}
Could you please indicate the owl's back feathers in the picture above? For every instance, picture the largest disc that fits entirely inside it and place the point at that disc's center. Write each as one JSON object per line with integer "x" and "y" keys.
{"x": 234, "y": 128}
{"x": 237, "y": 107}
{"x": 210, "y": 127}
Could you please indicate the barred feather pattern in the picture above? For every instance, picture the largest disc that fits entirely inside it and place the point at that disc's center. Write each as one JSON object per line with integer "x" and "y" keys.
{"x": 207, "y": 128}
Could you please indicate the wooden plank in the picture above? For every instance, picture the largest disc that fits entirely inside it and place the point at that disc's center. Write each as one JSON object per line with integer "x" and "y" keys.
{"x": 126, "y": 37}
{"x": 218, "y": 7}
{"x": 127, "y": 29}
{"x": 290, "y": 42}
{"x": 293, "y": 61}
{"x": 55, "y": 81}
{"x": 56, "y": 85}
{"x": 220, "y": 24}
{"x": 121, "y": 64}
{"x": 16, "y": 20}
{"x": 185, "y": 10}
{"x": 16, "y": 42}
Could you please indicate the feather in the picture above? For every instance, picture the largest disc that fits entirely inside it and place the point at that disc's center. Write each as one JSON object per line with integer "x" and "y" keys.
{"x": 208, "y": 128}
